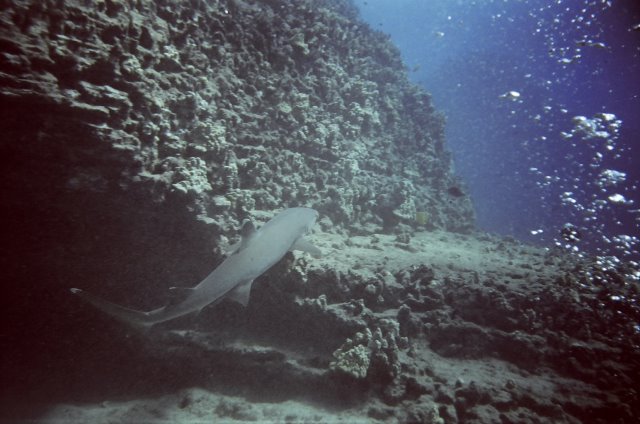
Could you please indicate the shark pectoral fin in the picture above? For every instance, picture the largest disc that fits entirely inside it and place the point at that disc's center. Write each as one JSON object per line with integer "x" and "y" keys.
{"x": 179, "y": 294}
{"x": 241, "y": 292}
{"x": 306, "y": 246}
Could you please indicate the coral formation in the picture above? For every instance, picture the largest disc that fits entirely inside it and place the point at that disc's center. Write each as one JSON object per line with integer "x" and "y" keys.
{"x": 352, "y": 359}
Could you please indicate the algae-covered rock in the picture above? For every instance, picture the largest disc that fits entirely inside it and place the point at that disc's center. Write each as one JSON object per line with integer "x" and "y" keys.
{"x": 372, "y": 353}
{"x": 145, "y": 82}
{"x": 192, "y": 177}
{"x": 352, "y": 360}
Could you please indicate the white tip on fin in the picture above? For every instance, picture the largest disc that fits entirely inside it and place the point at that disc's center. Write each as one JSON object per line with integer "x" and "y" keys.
{"x": 247, "y": 231}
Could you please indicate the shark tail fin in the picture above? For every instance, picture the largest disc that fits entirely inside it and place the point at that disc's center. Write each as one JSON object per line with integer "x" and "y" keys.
{"x": 138, "y": 319}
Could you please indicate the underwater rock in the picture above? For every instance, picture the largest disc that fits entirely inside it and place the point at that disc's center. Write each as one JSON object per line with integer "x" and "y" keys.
{"x": 353, "y": 358}
{"x": 192, "y": 178}
{"x": 146, "y": 80}
{"x": 372, "y": 354}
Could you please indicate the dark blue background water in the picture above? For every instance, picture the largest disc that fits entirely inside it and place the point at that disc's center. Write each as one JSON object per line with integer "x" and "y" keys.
{"x": 511, "y": 153}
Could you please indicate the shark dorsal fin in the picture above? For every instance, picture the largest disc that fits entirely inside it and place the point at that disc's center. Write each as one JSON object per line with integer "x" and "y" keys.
{"x": 247, "y": 231}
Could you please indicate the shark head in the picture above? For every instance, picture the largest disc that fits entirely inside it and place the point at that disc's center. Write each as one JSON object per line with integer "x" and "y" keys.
{"x": 299, "y": 220}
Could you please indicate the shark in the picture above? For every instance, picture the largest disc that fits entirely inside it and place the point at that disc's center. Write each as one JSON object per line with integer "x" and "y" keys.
{"x": 256, "y": 252}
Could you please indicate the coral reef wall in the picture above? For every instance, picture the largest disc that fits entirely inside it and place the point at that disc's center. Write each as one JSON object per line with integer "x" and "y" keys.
{"x": 223, "y": 107}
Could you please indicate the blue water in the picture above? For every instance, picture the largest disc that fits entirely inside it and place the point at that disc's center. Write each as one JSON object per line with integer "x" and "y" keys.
{"x": 564, "y": 59}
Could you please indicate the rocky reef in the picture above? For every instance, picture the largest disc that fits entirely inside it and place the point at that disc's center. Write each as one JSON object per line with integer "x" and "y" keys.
{"x": 442, "y": 328}
{"x": 137, "y": 135}
{"x": 223, "y": 108}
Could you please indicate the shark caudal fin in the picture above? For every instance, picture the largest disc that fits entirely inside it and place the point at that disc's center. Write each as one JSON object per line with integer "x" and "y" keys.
{"x": 138, "y": 319}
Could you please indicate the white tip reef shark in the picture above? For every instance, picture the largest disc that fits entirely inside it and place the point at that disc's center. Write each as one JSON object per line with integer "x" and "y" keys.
{"x": 257, "y": 251}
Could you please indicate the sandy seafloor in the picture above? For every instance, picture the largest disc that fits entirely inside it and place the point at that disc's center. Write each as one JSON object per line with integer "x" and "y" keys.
{"x": 498, "y": 332}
